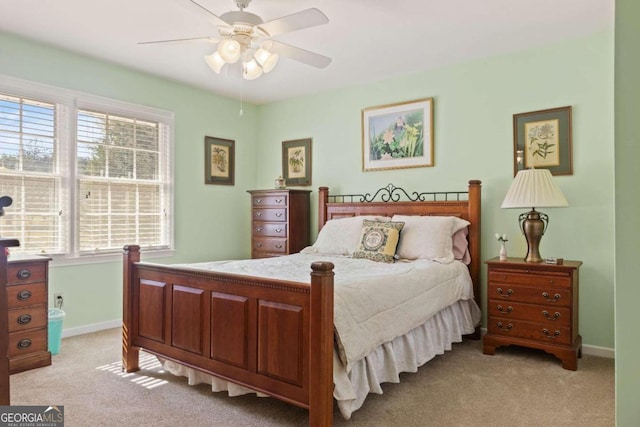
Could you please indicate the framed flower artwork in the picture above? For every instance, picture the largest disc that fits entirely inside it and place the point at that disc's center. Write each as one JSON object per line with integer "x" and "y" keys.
{"x": 296, "y": 162}
{"x": 219, "y": 161}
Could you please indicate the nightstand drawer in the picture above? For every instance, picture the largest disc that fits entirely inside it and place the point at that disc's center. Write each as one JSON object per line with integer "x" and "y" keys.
{"x": 271, "y": 200}
{"x": 529, "y": 294}
{"x": 19, "y": 273}
{"x": 27, "y": 318}
{"x": 530, "y": 331}
{"x": 277, "y": 246}
{"x": 268, "y": 229}
{"x": 26, "y": 295}
{"x": 270, "y": 215}
{"x": 560, "y": 316}
{"x": 31, "y": 341}
{"x": 529, "y": 278}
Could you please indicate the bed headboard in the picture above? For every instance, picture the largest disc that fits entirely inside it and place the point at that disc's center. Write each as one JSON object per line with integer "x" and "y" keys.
{"x": 392, "y": 200}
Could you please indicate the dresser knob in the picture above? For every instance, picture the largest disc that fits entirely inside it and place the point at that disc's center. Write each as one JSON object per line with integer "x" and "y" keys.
{"x": 555, "y": 335}
{"x": 279, "y": 214}
{"x": 556, "y": 297}
{"x": 258, "y": 201}
{"x": 258, "y": 229}
{"x": 24, "y": 295}
{"x": 503, "y": 311}
{"x": 507, "y": 294}
{"x": 258, "y": 245}
{"x": 23, "y": 319}
{"x": 279, "y": 246}
{"x": 504, "y": 328}
{"x": 24, "y": 273}
{"x": 258, "y": 213}
{"x": 551, "y": 282}
{"x": 278, "y": 230}
{"x": 556, "y": 315}
{"x": 279, "y": 200}
{"x": 24, "y": 344}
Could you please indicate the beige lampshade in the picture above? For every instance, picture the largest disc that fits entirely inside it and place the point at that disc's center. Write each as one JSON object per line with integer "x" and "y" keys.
{"x": 534, "y": 188}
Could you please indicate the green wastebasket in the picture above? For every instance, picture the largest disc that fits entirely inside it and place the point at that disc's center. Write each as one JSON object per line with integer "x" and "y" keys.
{"x": 56, "y": 317}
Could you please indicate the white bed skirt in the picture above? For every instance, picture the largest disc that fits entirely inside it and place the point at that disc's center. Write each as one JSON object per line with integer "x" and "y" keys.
{"x": 404, "y": 354}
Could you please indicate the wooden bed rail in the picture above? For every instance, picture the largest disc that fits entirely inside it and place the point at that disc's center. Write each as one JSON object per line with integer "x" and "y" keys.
{"x": 272, "y": 336}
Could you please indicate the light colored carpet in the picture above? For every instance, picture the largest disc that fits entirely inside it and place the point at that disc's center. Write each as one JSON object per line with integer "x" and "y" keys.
{"x": 516, "y": 387}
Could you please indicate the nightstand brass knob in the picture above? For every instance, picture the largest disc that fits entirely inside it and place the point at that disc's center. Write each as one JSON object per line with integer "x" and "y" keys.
{"x": 556, "y": 297}
{"x": 556, "y": 315}
{"x": 555, "y": 335}
{"x": 504, "y": 328}
{"x": 503, "y": 311}
{"x": 507, "y": 294}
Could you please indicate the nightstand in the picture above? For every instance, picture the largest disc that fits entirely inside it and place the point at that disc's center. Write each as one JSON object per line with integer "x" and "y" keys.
{"x": 534, "y": 305}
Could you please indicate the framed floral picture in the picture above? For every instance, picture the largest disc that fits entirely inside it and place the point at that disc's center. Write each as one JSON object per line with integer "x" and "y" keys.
{"x": 542, "y": 140}
{"x": 398, "y": 135}
{"x": 219, "y": 161}
{"x": 296, "y": 162}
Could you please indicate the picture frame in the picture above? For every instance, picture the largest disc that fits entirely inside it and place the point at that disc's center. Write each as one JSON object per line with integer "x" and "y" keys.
{"x": 296, "y": 162}
{"x": 219, "y": 161}
{"x": 398, "y": 136}
{"x": 542, "y": 140}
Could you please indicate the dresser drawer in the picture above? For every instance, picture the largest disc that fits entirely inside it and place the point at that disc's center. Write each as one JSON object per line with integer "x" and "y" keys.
{"x": 25, "y": 342}
{"x": 560, "y": 316}
{"x": 27, "y": 318}
{"x": 270, "y": 200}
{"x": 276, "y": 246}
{"x": 18, "y": 273}
{"x": 530, "y": 331}
{"x": 273, "y": 215}
{"x": 523, "y": 277}
{"x": 535, "y": 295}
{"x": 26, "y": 295}
{"x": 268, "y": 229}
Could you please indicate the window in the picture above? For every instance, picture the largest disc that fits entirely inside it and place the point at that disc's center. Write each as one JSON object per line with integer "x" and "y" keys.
{"x": 87, "y": 175}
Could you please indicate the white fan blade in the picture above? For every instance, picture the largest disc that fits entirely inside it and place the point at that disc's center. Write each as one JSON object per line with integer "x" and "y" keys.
{"x": 297, "y": 21}
{"x": 190, "y": 39}
{"x": 296, "y": 53}
{"x": 215, "y": 19}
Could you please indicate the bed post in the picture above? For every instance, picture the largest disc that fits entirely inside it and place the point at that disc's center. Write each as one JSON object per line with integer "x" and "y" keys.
{"x": 5, "y": 395}
{"x": 475, "y": 202}
{"x": 321, "y": 345}
{"x": 130, "y": 359}
{"x": 323, "y": 199}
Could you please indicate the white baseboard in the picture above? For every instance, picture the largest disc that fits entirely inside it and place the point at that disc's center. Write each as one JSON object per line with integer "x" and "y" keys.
{"x": 95, "y": 327}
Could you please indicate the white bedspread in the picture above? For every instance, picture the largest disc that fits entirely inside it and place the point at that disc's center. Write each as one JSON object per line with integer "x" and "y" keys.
{"x": 373, "y": 302}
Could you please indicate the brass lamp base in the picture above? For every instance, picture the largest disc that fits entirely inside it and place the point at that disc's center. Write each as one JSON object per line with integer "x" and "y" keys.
{"x": 533, "y": 225}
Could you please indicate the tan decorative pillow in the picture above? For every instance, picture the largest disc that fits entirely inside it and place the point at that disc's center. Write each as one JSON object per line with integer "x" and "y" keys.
{"x": 378, "y": 240}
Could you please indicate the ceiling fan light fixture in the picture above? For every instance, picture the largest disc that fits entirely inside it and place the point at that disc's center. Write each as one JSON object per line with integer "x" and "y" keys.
{"x": 251, "y": 70}
{"x": 266, "y": 59}
{"x": 229, "y": 50}
{"x": 215, "y": 62}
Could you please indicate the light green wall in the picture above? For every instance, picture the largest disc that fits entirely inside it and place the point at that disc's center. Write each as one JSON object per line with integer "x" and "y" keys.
{"x": 474, "y": 106}
{"x": 211, "y": 220}
{"x": 627, "y": 206}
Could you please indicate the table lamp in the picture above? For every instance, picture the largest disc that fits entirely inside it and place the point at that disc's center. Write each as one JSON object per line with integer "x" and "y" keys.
{"x": 534, "y": 188}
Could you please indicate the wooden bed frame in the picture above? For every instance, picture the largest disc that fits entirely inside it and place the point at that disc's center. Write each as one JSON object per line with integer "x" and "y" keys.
{"x": 272, "y": 336}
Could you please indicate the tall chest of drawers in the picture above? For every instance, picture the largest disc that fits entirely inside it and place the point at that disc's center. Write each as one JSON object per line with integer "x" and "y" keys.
{"x": 27, "y": 294}
{"x": 280, "y": 222}
{"x": 534, "y": 305}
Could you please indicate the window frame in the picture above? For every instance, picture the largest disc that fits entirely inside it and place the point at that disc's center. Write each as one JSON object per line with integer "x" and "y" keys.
{"x": 68, "y": 103}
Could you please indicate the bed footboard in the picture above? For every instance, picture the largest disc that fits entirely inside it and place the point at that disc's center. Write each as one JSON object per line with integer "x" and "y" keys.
{"x": 273, "y": 336}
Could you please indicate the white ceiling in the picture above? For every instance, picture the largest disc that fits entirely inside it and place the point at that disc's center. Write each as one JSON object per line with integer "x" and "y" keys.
{"x": 368, "y": 40}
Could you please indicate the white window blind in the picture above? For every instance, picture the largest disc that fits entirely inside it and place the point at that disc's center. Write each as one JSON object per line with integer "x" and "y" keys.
{"x": 122, "y": 181}
{"x": 29, "y": 173}
{"x": 87, "y": 174}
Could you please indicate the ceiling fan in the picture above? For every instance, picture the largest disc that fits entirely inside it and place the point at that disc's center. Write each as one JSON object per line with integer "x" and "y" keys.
{"x": 245, "y": 36}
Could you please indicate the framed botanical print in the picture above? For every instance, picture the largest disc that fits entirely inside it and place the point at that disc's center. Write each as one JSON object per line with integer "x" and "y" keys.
{"x": 296, "y": 162}
{"x": 219, "y": 161}
{"x": 542, "y": 140}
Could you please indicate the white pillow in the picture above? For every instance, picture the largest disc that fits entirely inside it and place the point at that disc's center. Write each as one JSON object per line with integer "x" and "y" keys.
{"x": 340, "y": 236}
{"x": 428, "y": 237}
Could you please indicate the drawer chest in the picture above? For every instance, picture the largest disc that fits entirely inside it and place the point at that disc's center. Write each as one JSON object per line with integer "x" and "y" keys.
{"x": 534, "y": 305}
{"x": 27, "y": 296}
{"x": 280, "y": 222}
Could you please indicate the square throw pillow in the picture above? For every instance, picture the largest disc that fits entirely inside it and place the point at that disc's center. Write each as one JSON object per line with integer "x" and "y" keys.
{"x": 340, "y": 236}
{"x": 378, "y": 240}
{"x": 428, "y": 237}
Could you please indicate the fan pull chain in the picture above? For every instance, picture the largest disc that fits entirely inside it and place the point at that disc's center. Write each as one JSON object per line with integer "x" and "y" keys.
{"x": 241, "y": 90}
